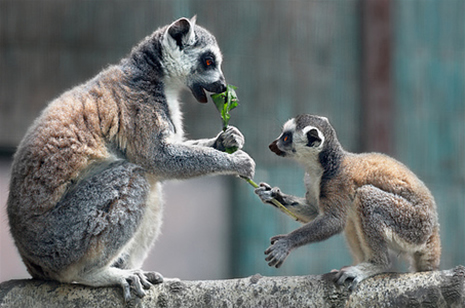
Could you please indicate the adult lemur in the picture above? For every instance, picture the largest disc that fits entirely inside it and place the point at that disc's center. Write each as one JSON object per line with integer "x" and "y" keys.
{"x": 376, "y": 201}
{"x": 85, "y": 193}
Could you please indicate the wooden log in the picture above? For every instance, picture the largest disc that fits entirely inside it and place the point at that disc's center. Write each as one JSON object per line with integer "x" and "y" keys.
{"x": 427, "y": 289}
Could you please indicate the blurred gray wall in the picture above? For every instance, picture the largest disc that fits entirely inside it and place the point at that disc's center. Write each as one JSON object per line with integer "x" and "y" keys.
{"x": 286, "y": 57}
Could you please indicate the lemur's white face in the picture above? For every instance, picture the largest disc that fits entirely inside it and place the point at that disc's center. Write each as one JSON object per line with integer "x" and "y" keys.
{"x": 192, "y": 57}
{"x": 299, "y": 144}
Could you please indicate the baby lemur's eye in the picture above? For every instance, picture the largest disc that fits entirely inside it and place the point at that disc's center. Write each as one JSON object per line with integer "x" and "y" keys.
{"x": 208, "y": 61}
{"x": 287, "y": 138}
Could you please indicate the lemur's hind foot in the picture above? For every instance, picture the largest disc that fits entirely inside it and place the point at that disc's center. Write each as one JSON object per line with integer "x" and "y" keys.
{"x": 138, "y": 280}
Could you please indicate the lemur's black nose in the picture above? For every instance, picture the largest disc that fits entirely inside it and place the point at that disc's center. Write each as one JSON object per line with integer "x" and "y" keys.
{"x": 274, "y": 148}
{"x": 223, "y": 87}
{"x": 217, "y": 87}
{"x": 221, "y": 84}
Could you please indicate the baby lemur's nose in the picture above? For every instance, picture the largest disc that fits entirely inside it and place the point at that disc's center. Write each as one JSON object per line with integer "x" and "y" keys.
{"x": 274, "y": 148}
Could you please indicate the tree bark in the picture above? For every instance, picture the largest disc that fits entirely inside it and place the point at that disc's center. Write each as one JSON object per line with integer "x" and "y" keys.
{"x": 427, "y": 289}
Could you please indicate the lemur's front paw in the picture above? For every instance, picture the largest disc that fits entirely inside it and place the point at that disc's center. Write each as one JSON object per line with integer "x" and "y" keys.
{"x": 244, "y": 164}
{"x": 278, "y": 251}
{"x": 357, "y": 273}
{"x": 266, "y": 193}
{"x": 230, "y": 138}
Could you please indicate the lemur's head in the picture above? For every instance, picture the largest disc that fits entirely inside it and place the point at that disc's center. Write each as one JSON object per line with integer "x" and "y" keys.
{"x": 191, "y": 56}
{"x": 305, "y": 136}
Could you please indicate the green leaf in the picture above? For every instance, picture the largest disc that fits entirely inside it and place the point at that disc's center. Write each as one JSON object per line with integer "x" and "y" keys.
{"x": 231, "y": 150}
{"x": 225, "y": 102}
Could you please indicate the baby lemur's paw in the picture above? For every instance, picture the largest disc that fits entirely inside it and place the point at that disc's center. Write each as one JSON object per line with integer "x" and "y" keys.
{"x": 278, "y": 251}
{"x": 266, "y": 193}
{"x": 354, "y": 274}
{"x": 139, "y": 280}
{"x": 230, "y": 138}
{"x": 244, "y": 164}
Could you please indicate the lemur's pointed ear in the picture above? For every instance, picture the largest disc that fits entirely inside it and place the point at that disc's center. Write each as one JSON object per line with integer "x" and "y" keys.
{"x": 180, "y": 33}
{"x": 193, "y": 20}
{"x": 313, "y": 138}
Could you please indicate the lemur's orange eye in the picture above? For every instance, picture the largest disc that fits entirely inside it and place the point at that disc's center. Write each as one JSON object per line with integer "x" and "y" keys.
{"x": 286, "y": 138}
{"x": 209, "y": 62}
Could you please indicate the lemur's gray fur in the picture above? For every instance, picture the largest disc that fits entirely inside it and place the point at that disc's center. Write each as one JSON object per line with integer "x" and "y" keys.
{"x": 85, "y": 193}
{"x": 376, "y": 201}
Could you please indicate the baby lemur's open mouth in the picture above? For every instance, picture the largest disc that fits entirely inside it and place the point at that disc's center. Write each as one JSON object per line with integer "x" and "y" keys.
{"x": 198, "y": 90}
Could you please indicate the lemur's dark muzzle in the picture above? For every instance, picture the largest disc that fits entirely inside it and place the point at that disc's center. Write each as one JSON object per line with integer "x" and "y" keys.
{"x": 198, "y": 90}
{"x": 274, "y": 148}
{"x": 216, "y": 87}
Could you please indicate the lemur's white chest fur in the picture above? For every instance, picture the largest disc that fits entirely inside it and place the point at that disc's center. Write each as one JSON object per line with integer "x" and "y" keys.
{"x": 312, "y": 180}
{"x": 172, "y": 99}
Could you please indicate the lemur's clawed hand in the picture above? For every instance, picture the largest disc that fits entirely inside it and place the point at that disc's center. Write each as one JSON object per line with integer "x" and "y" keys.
{"x": 245, "y": 165}
{"x": 278, "y": 251}
{"x": 267, "y": 193}
{"x": 230, "y": 138}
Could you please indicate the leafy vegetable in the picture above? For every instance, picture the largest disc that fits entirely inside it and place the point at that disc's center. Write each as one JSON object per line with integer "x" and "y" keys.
{"x": 225, "y": 102}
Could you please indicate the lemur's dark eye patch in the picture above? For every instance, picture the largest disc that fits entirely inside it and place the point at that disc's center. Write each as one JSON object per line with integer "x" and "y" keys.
{"x": 208, "y": 60}
{"x": 286, "y": 138}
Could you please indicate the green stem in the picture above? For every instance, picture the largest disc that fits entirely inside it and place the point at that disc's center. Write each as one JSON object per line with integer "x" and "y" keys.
{"x": 274, "y": 201}
{"x": 226, "y": 102}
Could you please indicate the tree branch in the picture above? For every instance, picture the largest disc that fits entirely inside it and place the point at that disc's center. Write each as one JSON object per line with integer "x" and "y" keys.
{"x": 427, "y": 289}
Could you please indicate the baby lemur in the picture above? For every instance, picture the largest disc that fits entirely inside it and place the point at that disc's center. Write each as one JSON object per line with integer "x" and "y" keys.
{"x": 85, "y": 193}
{"x": 376, "y": 201}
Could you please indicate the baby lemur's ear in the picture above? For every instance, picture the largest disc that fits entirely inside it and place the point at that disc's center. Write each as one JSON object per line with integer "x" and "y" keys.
{"x": 313, "y": 138}
{"x": 180, "y": 33}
